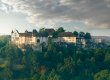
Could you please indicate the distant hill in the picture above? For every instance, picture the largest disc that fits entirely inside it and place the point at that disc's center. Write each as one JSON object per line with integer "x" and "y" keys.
{"x": 104, "y": 38}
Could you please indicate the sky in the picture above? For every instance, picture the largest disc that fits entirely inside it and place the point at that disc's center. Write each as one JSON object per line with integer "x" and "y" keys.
{"x": 81, "y": 15}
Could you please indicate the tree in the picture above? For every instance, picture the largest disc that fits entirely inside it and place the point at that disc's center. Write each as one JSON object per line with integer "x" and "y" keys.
{"x": 60, "y": 29}
{"x": 12, "y": 52}
{"x": 4, "y": 40}
{"x": 99, "y": 57}
{"x": 75, "y": 33}
{"x": 107, "y": 60}
{"x": 33, "y": 62}
{"x": 50, "y": 44}
{"x": 53, "y": 76}
{"x": 55, "y": 34}
{"x": 102, "y": 75}
{"x": 35, "y": 76}
{"x": 87, "y": 36}
{"x": 35, "y": 33}
{"x": 43, "y": 32}
{"x": 81, "y": 34}
{"x": 67, "y": 68}
{"x": 43, "y": 77}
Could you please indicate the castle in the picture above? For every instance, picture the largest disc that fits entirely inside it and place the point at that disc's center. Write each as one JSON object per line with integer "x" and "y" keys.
{"x": 35, "y": 39}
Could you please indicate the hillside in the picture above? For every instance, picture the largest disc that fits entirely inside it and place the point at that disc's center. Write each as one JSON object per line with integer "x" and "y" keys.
{"x": 105, "y": 38}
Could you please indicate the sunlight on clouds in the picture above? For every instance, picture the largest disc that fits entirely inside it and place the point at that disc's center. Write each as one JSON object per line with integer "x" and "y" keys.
{"x": 92, "y": 13}
{"x": 51, "y": 11}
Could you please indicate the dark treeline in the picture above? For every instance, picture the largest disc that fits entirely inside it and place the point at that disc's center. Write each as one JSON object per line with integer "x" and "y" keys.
{"x": 57, "y": 61}
{"x": 81, "y": 34}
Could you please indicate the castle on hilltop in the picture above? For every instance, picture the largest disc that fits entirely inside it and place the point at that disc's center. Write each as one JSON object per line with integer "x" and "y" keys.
{"x": 35, "y": 39}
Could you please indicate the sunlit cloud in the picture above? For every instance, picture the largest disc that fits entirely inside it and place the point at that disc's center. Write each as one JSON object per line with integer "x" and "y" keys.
{"x": 51, "y": 12}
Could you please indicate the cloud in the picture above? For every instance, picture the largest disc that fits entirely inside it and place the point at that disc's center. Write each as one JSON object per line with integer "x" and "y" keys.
{"x": 49, "y": 12}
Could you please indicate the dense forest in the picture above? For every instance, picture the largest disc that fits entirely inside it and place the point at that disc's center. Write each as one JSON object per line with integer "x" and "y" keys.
{"x": 57, "y": 61}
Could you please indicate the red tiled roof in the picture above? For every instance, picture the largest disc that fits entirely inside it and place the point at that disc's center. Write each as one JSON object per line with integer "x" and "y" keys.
{"x": 35, "y": 33}
{"x": 50, "y": 31}
{"x": 65, "y": 34}
{"x": 28, "y": 34}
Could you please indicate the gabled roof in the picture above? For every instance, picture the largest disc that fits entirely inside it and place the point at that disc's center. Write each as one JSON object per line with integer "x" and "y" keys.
{"x": 26, "y": 34}
{"x": 44, "y": 34}
{"x": 17, "y": 31}
{"x": 50, "y": 31}
{"x": 65, "y": 34}
{"x": 35, "y": 33}
{"x": 29, "y": 34}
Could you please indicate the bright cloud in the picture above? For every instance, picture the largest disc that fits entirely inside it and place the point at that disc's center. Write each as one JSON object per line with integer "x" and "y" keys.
{"x": 51, "y": 12}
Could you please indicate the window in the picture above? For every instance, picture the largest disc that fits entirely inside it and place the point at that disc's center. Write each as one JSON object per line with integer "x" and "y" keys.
{"x": 38, "y": 40}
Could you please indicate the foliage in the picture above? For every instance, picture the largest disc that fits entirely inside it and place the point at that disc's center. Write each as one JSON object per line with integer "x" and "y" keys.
{"x": 4, "y": 40}
{"x": 59, "y": 61}
{"x": 43, "y": 33}
{"x": 75, "y": 33}
{"x": 87, "y": 36}
{"x": 102, "y": 75}
{"x": 60, "y": 29}
{"x": 81, "y": 34}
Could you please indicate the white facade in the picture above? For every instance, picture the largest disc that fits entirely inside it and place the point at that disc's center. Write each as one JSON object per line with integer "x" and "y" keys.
{"x": 15, "y": 37}
{"x": 65, "y": 39}
{"x": 43, "y": 39}
{"x": 98, "y": 40}
{"x": 21, "y": 39}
